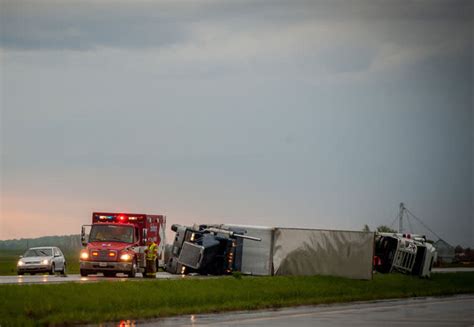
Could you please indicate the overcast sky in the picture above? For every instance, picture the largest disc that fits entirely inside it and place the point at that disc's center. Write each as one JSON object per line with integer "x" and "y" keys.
{"x": 319, "y": 114}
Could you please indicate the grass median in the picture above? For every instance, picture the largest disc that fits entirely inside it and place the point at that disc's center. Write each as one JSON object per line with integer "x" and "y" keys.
{"x": 113, "y": 301}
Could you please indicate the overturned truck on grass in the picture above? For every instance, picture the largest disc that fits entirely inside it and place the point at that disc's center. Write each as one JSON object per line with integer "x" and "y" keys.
{"x": 405, "y": 253}
{"x": 205, "y": 249}
{"x": 266, "y": 251}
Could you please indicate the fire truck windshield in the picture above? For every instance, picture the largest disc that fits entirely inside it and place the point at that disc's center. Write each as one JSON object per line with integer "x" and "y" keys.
{"x": 111, "y": 233}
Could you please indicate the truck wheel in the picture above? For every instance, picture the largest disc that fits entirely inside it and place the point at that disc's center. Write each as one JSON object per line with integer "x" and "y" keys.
{"x": 133, "y": 272}
{"x": 52, "y": 269}
{"x": 84, "y": 273}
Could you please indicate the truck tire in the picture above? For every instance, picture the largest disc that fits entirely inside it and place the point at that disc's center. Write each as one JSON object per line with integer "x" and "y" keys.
{"x": 84, "y": 273}
{"x": 52, "y": 269}
{"x": 133, "y": 271}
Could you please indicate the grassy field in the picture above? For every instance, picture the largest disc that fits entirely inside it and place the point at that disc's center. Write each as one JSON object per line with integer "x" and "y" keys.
{"x": 106, "y": 301}
{"x": 8, "y": 260}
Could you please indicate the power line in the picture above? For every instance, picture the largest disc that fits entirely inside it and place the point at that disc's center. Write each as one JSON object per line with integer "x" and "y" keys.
{"x": 400, "y": 217}
{"x": 394, "y": 220}
{"x": 423, "y": 224}
{"x": 409, "y": 224}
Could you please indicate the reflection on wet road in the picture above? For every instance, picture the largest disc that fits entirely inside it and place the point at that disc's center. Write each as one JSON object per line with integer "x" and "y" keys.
{"x": 441, "y": 311}
{"x": 45, "y": 279}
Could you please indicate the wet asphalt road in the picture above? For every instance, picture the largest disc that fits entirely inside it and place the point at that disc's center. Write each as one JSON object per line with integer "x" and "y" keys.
{"x": 439, "y": 311}
{"x": 45, "y": 279}
{"x": 53, "y": 279}
{"x": 447, "y": 270}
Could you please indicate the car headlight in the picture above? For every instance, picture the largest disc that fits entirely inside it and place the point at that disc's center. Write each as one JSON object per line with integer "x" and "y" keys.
{"x": 20, "y": 263}
{"x": 125, "y": 257}
{"x": 45, "y": 262}
{"x": 84, "y": 255}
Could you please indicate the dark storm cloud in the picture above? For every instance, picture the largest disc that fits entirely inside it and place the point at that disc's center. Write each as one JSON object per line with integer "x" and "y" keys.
{"x": 87, "y": 25}
{"x": 46, "y": 25}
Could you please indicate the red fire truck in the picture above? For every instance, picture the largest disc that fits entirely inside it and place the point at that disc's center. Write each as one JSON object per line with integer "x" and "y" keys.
{"x": 116, "y": 243}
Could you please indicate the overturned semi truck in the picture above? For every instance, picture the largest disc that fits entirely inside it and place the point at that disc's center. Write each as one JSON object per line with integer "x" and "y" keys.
{"x": 406, "y": 253}
{"x": 206, "y": 249}
{"x": 265, "y": 251}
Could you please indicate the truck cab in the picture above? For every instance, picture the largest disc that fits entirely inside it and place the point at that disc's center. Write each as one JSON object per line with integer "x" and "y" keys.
{"x": 406, "y": 253}
{"x": 116, "y": 243}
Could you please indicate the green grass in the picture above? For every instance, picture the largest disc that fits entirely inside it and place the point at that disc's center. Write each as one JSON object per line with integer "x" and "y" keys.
{"x": 113, "y": 301}
{"x": 9, "y": 258}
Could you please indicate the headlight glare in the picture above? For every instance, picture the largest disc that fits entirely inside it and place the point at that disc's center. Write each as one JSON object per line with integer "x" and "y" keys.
{"x": 45, "y": 262}
{"x": 84, "y": 255}
{"x": 20, "y": 263}
{"x": 125, "y": 257}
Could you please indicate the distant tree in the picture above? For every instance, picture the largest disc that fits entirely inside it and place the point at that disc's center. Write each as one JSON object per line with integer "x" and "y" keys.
{"x": 458, "y": 249}
{"x": 67, "y": 243}
{"x": 468, "y": 255}
{"x": 366, "y": 228}
{"x": 385, "y": 229}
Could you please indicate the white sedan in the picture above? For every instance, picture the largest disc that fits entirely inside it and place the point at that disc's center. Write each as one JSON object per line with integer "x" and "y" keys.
{"x": 40, "y": 260}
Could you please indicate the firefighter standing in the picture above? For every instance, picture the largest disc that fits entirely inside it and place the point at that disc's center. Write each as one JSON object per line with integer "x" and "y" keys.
{"x": 151, "y": 255}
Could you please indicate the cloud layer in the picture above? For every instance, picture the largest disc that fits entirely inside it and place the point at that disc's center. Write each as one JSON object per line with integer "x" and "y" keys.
{"x": 305, "y": 113}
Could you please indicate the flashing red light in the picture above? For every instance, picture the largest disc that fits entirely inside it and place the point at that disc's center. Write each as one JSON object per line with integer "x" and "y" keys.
{"x": 122, "y": 218}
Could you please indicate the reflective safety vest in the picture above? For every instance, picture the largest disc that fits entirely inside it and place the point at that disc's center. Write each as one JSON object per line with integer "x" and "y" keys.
{"x": 151, "y": 253}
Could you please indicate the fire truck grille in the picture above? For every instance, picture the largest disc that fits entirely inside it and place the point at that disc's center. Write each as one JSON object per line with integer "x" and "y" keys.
{"x": 104, "y": 256}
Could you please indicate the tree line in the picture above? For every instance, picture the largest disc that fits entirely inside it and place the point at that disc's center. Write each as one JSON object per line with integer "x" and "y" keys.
{"x": 67, "y": 243}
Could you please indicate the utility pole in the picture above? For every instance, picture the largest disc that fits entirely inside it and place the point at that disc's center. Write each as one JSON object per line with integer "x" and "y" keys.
{"x": 400, "y": 217}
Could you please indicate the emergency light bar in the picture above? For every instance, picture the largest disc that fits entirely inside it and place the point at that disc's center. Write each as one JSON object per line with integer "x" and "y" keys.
{"x": 106, "y": 217}
{"x": 119, "y": 218}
